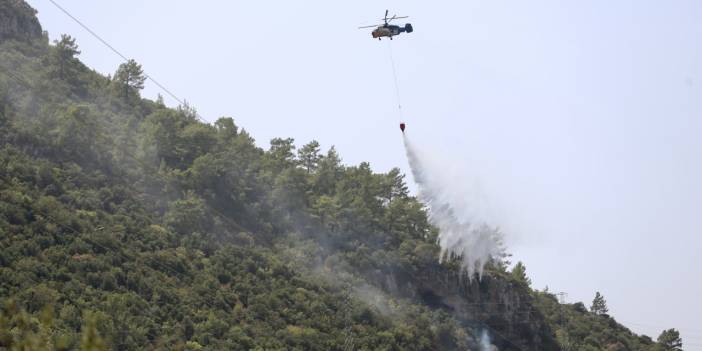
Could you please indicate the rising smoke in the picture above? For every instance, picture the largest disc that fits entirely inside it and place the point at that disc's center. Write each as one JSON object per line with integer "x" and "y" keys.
{"x": 485, "y": 344}
{"x": 463, "y": 231}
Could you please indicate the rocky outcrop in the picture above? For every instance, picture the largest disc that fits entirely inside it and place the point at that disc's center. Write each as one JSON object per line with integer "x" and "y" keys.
{"x": 503, "y": 308}
{"x": 18, "y": 21}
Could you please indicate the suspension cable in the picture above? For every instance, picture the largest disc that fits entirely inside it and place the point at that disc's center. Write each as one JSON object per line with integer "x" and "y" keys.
{"x": 397, "y": 86}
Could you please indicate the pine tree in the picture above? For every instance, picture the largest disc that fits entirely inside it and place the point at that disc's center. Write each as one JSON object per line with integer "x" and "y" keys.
{"x": 670, "y": 340}
{"x": 309, "y": 156}
{"x": 599, "y": 305}
{"x": 281, "y": 154}
{"x": 64, "y": 56}
{"x": 328, "y": 172}
{"x": 519, "y": 274}
{"x": 130, "y": 76}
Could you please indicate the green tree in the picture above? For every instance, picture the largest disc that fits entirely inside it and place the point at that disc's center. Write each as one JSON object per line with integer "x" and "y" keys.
{"x": 289, "y": 191}
{"x": 670, "y": 340}
{"x": 21, "y": 331}
{"x": 599, "y": 305}
{"x": 188, "y": 110}
{"x": 226, "y": 129}
{"x": 280, "y": 155}
{"x": 188, "y": 328}
{"x": 328, "y": 173}
{"x": 5, "y": 110}
{"x": 519, "y": 274}
{"x": 130, "y": 77}
{"x": 188, "y": 215}
{"x": 64, "y": 56}
{"x": 78, "y": 134}
{"x": 195, "y": 140}
{"x": 394, "y": 186}
{"x": 90, "y": 339}
{"x": 326, "y": 210}
{"x": 160, "y": 136}
{"x": 309, "y": 156}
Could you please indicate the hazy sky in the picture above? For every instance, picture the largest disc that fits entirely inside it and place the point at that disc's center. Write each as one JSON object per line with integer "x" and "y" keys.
{"x": 580, "y": 121}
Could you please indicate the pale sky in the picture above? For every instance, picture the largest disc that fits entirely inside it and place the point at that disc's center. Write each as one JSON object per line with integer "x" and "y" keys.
{"x": 580, "y": 120}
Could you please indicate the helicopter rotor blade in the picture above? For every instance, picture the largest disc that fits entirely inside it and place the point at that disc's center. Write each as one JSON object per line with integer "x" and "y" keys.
{"x": 373, "y": 26}
{"x": 394, "y": 17}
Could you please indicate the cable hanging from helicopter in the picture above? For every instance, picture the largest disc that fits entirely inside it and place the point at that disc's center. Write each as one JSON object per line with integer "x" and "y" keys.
{"x": 390, "y": 30}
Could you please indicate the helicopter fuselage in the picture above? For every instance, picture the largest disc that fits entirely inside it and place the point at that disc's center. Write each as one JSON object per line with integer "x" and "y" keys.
{"x": 390, "y": 30}
{"x": 386, "y": 31}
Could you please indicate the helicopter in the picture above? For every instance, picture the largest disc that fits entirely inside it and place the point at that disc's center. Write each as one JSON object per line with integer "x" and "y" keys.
{"x": 389, "y": 30}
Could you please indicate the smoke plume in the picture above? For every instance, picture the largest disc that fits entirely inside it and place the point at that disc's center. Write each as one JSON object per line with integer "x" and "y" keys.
{"x": 485, "y": 344}
{"x": 463, "y": 231}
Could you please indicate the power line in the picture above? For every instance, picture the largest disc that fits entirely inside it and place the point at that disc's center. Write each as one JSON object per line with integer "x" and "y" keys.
{"x": 181, "y": 102}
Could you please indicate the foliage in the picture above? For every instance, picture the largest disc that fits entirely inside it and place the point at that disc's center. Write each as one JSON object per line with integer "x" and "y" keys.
{"x": 21, "y": 331}
{"x": 519, "y": 274}
{"x": 63, "y": 59}
{"x": 599, "y": 305}
{"x": 576, "y": 328}
{"x": 670, "y": 340}
{"x": 130, "y": 76}
{"x": 136, "y": 226}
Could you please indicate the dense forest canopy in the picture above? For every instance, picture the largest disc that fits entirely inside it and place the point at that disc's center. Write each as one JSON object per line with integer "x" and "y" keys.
{"x": 125, "y": 224}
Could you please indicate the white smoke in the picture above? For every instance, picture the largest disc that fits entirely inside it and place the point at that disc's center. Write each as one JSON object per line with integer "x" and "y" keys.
{"x": 485, "y": 344}
{"x": 464, "y": 230}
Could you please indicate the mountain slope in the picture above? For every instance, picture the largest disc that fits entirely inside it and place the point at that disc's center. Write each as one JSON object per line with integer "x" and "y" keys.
{"x": 128, "y": 225}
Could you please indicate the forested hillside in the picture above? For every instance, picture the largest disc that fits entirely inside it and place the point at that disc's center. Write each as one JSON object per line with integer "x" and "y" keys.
{"x": 125, "y": 224}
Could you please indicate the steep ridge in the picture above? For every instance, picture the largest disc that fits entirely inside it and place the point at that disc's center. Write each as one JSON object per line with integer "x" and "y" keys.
{"x": 18, "y": 21}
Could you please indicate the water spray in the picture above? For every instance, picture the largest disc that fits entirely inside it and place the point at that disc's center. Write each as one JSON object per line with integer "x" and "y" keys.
{"x": 461, "y": 234}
